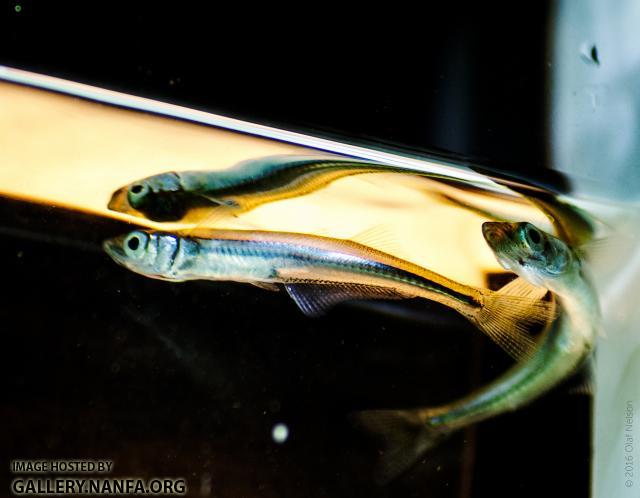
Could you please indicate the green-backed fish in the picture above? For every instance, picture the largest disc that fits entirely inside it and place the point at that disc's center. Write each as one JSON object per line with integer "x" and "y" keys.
{"x": 540, "y": 260}
{"x": 319, "y": 272}
{"x": 247, "y": 185}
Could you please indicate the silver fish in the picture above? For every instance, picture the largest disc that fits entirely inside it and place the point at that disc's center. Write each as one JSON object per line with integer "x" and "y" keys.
{"x": 319, "y": 272}
{"x": 539, "y": 259}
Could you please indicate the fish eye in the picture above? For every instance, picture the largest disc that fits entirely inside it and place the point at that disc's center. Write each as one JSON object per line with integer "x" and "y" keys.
{"x": 534, "y": 235}
{"x": 135, "y": 243}
{"x": 137, "y": 193}
{"x": 531, "y": 236}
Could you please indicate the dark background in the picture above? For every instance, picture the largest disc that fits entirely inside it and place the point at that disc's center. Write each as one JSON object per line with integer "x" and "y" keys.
{"x": 467, "y": 80}
{"x": 188, "y": 380}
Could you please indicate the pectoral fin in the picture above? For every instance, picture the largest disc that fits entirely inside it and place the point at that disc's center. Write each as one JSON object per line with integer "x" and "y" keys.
{"x": 380, "y": 237}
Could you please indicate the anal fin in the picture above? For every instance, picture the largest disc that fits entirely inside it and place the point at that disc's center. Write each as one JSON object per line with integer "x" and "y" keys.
{"x": 315, "y": 299}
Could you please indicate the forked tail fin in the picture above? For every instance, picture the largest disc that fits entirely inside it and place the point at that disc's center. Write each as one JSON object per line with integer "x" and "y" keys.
{"x": 404, "y": 435}
{"x": 509, "y": 315}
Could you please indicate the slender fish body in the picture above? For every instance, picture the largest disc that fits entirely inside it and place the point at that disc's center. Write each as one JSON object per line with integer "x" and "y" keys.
{"x": 317, "y": 272}
{"x": 541, "y": 260}
{"x": 169, "y": 196}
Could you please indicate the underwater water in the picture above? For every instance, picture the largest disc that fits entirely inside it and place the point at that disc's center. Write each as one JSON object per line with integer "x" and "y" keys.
{"x": 230, "y": 386}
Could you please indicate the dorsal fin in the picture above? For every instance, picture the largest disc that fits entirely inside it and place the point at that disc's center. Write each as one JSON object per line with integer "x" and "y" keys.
{"x": 379, "y": 237}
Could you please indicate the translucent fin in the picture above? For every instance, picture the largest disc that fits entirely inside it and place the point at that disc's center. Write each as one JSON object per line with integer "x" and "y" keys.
{"x": 266, "y": 286}
{"x": 573, "y": 224}
{"x": 379, "y": 237}
{"x": 367, "y": 178}
{"x": 222, "y": 202}
{"x": 586, "y": 386}
{"x": 601, "y": 249}
{"x": 521, "y": 288}
{"x": 509, "y": 315}
{"x": 317, "y": 299}
{"x": 205, "y": 227}
{"x": 404, "y": 435}
{"x": 214, "y": 215}
{"x": 473, "y": 209}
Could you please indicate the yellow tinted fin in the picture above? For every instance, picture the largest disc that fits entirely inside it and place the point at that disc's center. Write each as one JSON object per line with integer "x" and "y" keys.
{"x": 509, "y": 315}
{"x": 213, "y": 216}
{"x": 317, "y": 299}
{"x": 469, "y": 207}
{"x": 380, "y": 237}
{"x": 266, "y": 286}
{"x": 520, "y": 287}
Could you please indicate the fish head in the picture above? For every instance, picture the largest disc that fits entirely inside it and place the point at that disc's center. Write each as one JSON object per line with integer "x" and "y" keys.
{"x": 538, "y": 257}
{"x": 159, "y": 197}
{"x": 120, "y": 203}
{"x": 151, "y": 254}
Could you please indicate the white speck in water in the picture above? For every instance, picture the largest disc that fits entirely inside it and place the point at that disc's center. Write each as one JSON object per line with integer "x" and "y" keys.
{"x": 280, "y": 433}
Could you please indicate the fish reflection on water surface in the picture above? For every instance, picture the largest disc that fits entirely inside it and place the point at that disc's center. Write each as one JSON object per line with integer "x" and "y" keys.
{"x": 170, "y": 196}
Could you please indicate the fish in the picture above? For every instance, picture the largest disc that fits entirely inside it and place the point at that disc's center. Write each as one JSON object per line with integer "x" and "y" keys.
{"x": 172, "y": 195}
{"x": 319, "y": 272}
{"x": 571, "y": 223}
{"x": 538, "y": 259}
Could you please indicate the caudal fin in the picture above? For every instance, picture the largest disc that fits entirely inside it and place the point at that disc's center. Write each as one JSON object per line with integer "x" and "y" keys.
{"x": 509, "y": 315}
{"x": 405, "y": 438}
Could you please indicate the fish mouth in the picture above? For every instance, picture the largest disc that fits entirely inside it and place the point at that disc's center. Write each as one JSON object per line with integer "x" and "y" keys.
{"x": 114, "y": 248}
{"x": 494, "y": 233}
{"x": 119, "y": 201}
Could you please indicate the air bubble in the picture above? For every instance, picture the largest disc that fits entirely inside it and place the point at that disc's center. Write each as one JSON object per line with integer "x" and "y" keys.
{"x": 280, "y": 433}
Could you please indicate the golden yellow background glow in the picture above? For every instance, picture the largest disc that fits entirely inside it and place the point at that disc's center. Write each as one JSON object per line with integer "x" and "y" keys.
{"x": 69, "y": 152}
